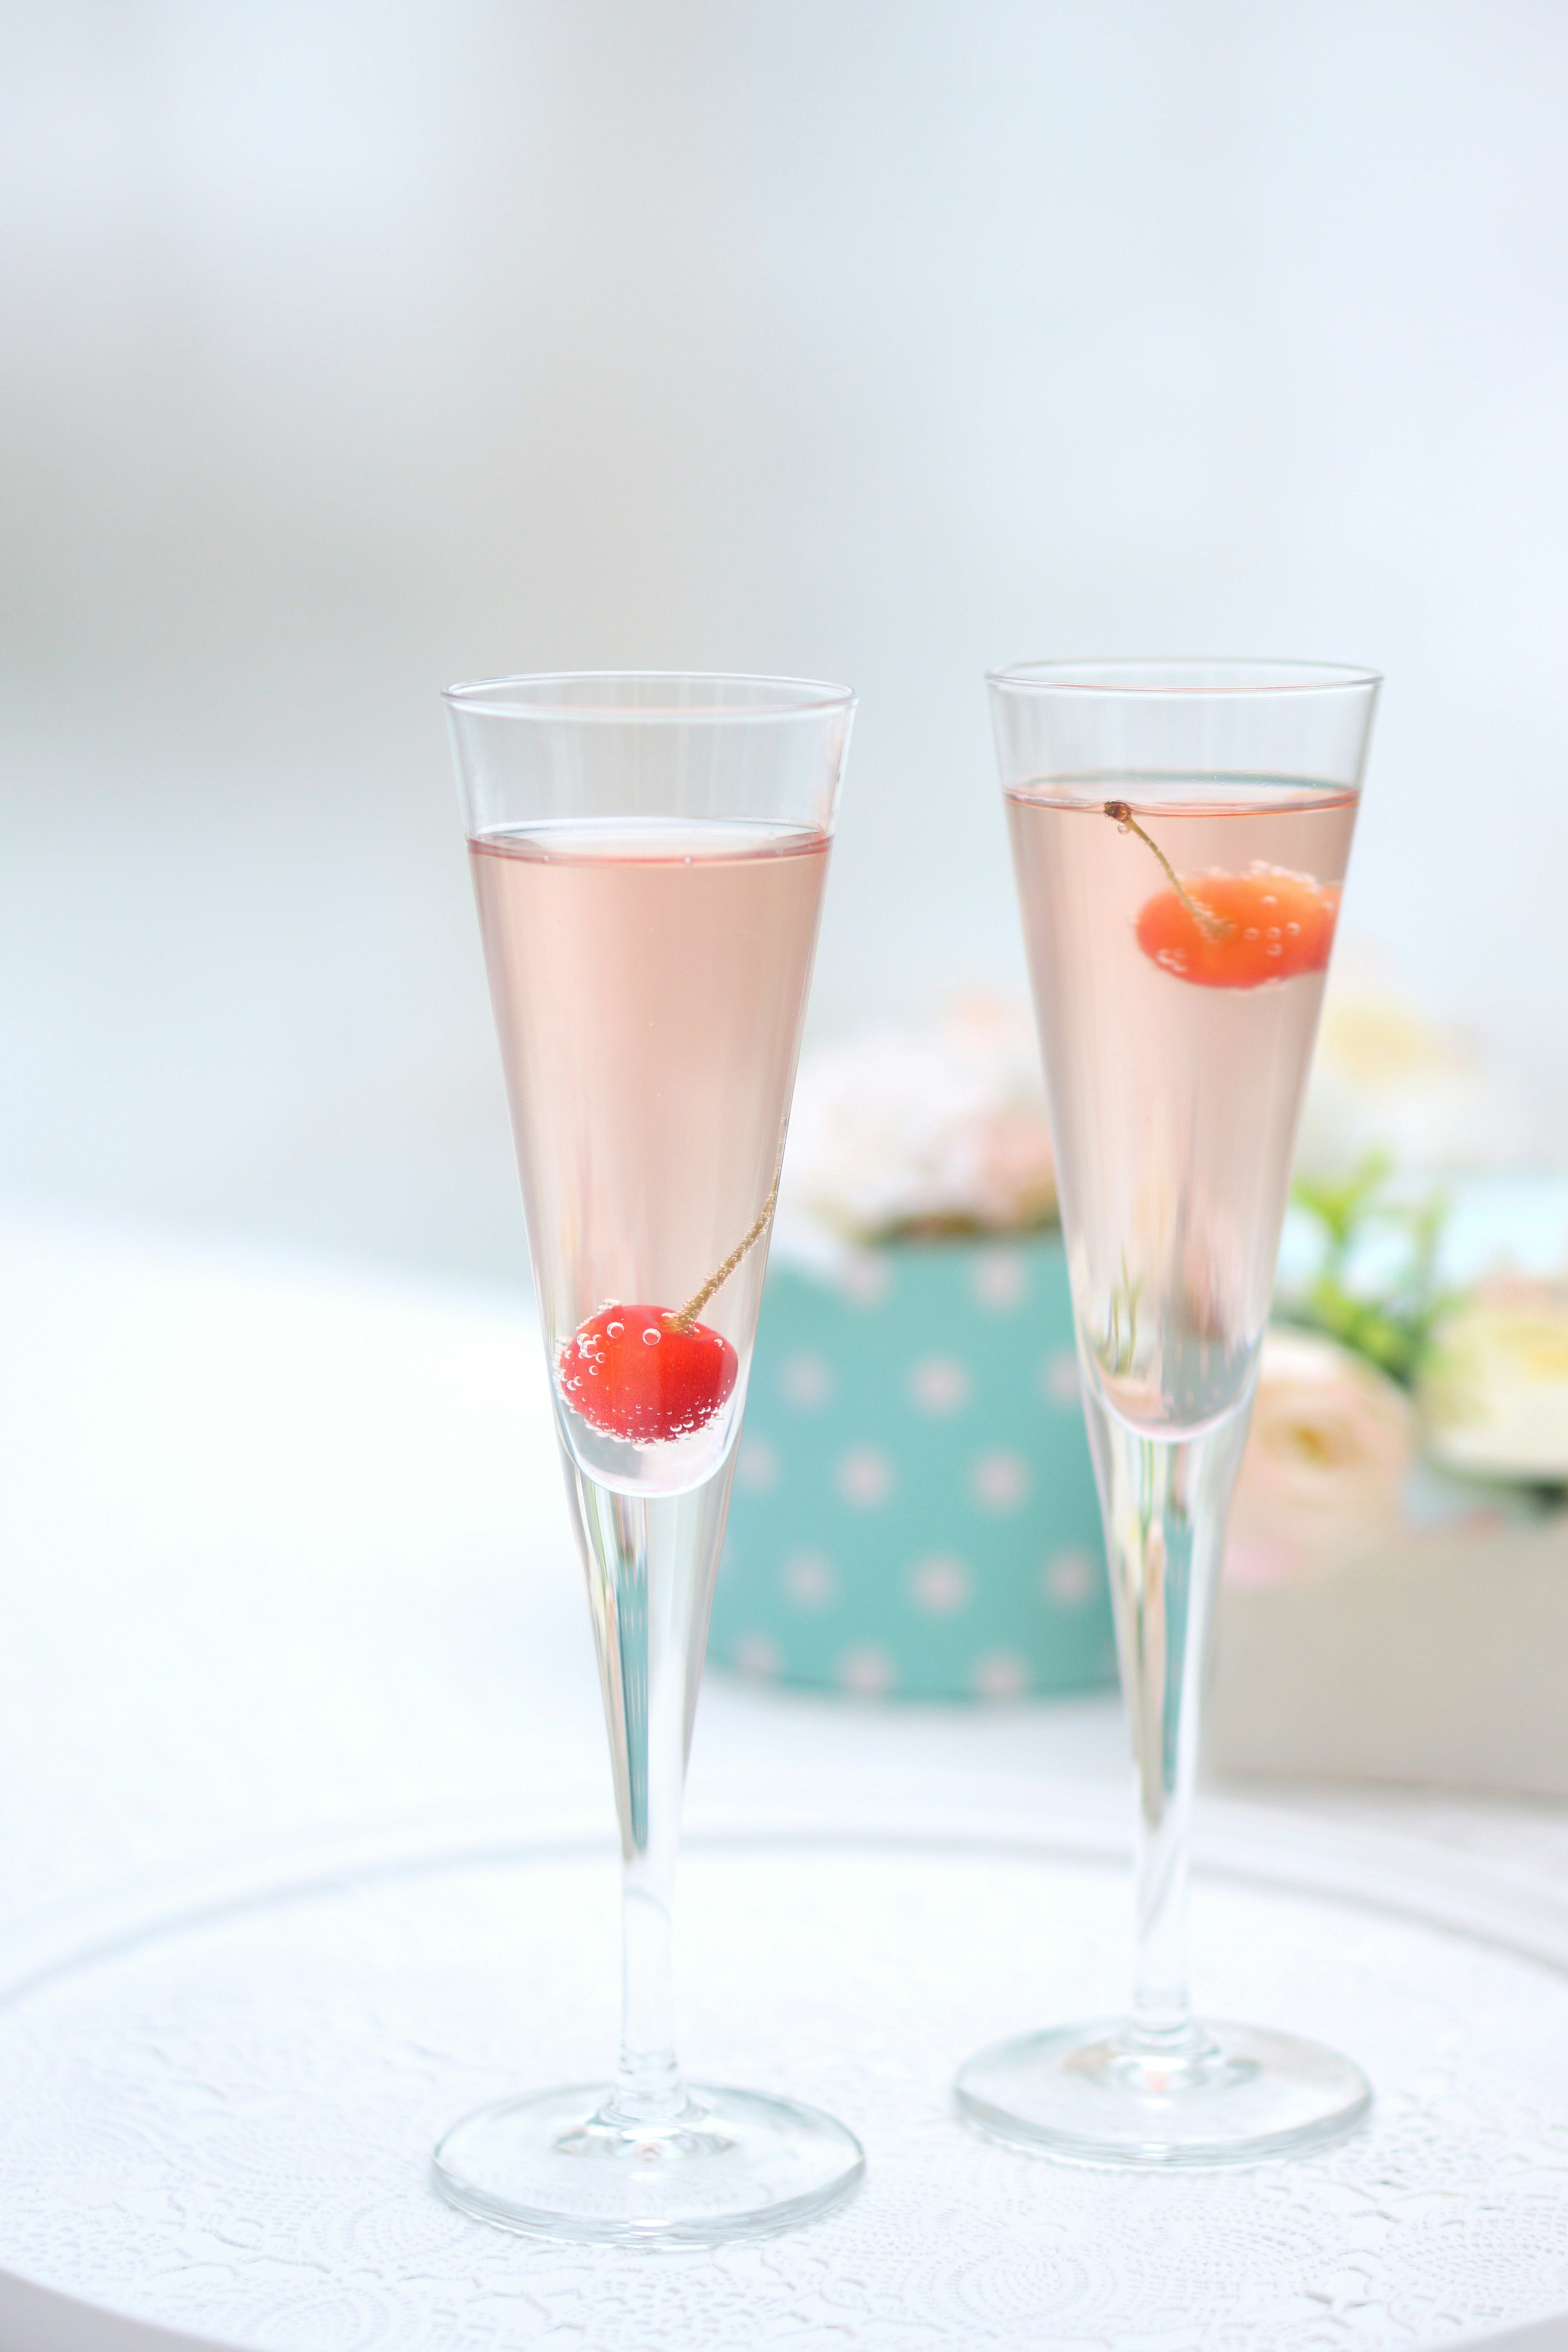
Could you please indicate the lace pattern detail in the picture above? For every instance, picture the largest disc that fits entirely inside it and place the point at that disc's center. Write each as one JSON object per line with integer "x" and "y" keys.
{"x": 225, "y": 2127}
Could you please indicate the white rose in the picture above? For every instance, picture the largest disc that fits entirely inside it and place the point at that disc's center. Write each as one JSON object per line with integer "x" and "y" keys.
{"x": 1387, "y": 1076}
{"x": 1332, "y": 1448}
{"x": 1495, "y": 1395}
{"x": 945, "y": 1126}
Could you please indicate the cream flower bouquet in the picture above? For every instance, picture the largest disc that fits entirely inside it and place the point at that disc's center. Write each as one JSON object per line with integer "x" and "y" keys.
{"x": 914, "y": 1512}
{"x": 1395, "y": 1587}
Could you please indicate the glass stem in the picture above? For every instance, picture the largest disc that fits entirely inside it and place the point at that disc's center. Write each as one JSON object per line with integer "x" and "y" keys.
{"x": 1165, "y": 1502}
{"x": 650, "y": 1561}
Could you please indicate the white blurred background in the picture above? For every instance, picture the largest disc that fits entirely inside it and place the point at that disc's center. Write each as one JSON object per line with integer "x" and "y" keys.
{"x": 346, "y": 349}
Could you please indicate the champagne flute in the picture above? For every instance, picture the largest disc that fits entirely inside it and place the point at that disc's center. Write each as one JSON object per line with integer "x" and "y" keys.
{"x": 648, "y": 855}
{"x": 1180, "y": 832}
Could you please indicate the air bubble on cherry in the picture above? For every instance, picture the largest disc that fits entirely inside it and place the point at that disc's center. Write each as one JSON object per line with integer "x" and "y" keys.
{"x": 650, "y": 1337}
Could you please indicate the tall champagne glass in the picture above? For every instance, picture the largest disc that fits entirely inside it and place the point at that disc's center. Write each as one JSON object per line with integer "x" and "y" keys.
{"x": 648, "y": 855}
{"x": 1180, "y": 832}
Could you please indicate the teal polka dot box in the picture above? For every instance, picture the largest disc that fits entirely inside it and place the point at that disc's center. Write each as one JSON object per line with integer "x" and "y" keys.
{"x": 914, "y": 1512}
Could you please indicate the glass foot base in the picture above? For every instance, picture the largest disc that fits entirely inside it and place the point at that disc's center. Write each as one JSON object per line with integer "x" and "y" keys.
{"x": 1224, "y": 2095}
{"x": 733, "y": 2165}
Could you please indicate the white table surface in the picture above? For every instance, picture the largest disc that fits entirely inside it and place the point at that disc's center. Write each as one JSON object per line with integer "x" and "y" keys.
{"x": 286, "y": 1554}
{"x": 287, "y": 1561}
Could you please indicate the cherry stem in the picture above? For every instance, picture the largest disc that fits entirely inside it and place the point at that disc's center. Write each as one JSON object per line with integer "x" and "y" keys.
{"x": 687, "y": 1315}
{"x": 1213, "y": 926}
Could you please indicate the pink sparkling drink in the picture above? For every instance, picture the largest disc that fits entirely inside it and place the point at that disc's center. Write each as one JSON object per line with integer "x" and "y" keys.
{"x": 649, "y": 981}
{"x": 1174, "y": 1149}
{"x": 1180, "y": 832}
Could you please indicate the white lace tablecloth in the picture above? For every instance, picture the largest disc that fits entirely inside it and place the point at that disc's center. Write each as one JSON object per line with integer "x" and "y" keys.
{"x": 291, "y": 1612}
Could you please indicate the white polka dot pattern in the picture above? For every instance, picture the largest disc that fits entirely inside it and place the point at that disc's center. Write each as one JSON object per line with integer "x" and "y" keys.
{"x": 869, "y": 1672}
{"x": 757, "y": 1466}
{"x": 914, "y": 1463}
{"x": 865, "y": 1476}
{"x": 809, "y": 1580}
{"x": 999, "y": 1675}
{"x": 755, "y": 1656}
{"x": 940, "y": 1586}
{"x": 940, "y": 1384}
{"x": 1000, "y": 1280}
{"x": 1069, "y": 1579}
{"x": 806, "y": 1381}
{"x": 1000, "y": 1481}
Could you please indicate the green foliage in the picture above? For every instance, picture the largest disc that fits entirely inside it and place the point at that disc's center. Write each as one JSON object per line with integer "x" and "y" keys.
{"x": 1118, "y": 1351}
{"x": 1391, "y": 1321}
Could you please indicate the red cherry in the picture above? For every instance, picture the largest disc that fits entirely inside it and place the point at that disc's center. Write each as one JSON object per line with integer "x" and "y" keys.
{"x": 631, "y": 1371}
{"x": 1280, "y": 924}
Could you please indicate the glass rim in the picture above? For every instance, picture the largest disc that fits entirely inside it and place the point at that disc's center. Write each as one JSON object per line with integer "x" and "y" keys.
{"x": 1155, "y": 676}
{"x": 528, "y": 695}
